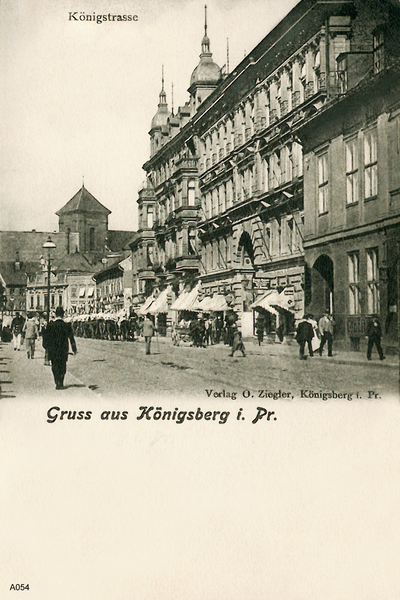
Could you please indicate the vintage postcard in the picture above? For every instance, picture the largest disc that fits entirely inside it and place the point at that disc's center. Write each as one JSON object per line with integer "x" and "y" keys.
{"x": 199, "y": 299}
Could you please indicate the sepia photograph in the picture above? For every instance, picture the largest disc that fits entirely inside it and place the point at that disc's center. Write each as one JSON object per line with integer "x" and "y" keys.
{"x": 200, "y": 227}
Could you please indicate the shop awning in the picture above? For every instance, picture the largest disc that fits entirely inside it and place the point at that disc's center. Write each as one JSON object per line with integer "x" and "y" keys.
{"x": 284, "y": 300}
{"x": 144, "y": 309}
{"x": 82, "y": 292}
{"x": 266, "y": 302}
{"x": 160, "y": 304}
{"x": 216, "y": 303}
{"x": 90, "y": 292}
{"x": 187, "y": 300}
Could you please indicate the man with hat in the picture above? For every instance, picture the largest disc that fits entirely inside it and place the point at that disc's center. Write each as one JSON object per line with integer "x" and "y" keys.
{"x": 147, "y": 332}
{"x": 59, "y": 335}
{"x": 374, "y": 335}
{"x": 325, "y": 326}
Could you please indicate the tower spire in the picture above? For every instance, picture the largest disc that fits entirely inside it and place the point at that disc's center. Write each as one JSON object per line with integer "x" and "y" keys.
{"x": 205, "y": 44}
{"x": 163, "y": 96}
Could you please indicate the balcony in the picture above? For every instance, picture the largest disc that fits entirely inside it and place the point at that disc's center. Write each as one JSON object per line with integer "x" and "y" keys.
{"x": 187, "y": 262}
{"x": 186, "y": 164}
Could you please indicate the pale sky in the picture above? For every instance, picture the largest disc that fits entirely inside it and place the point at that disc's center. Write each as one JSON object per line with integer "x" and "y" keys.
{"x": 77, "y": 98}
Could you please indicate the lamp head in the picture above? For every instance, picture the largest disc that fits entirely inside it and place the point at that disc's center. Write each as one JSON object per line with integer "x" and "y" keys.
{"x": 49, "y": 244}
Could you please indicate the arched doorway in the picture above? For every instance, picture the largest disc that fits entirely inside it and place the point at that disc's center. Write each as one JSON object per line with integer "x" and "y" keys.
{"x": 322, "y": 284}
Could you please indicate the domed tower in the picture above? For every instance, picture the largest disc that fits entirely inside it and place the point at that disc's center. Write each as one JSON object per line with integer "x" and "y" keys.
{"x": 206, "y": 75}
{"x": 159, "y": 124}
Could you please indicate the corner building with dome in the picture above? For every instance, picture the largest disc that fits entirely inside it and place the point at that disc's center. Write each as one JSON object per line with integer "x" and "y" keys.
{"x": 223, "y": 209}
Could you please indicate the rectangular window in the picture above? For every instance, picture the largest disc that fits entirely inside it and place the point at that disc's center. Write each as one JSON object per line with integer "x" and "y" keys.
{"x": 265, "y": 172}
{"x": 351, "y": 172}
{"x": 354, "y": 283}
{"x": 150, "y": 217}
{"x": 372, "y": 281}
{"x": 60, "y": 300}
{"x": 221, "y": 199}
{"x": 276, "y": 169}
{"x": 192, "y": 240}
{"x": 379, "y": 52}
{"x": 286, "y": 159}
{"x": 229, "y": 193}
{"x": 323, "y": 183}
{"x": 241, "y": 193}
{"x": 268, "y": 240}
{"x": 180, "y": 245}
{"x": 31, "y": 305}
{"x": 290, "y": 226}
{"x": 214, "y": 202}
{"x": 191, "y": 193}
{"x": 279, "y": 236}
{"x": 370, "y": 164}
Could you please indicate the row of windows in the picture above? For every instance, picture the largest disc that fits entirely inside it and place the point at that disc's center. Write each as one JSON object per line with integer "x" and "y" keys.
{"x": 368, "y": 173}
{"x": 173, "y": 202}
{"x": 82, "y": 292}
{"x": 40, "y": 301}
{"x": 274, "y": 99}
{"x": 280, "y": 237}
{"x": 278, "y": 168}
{"x": 372, "y": 282}
{"x": 112, "y": 288}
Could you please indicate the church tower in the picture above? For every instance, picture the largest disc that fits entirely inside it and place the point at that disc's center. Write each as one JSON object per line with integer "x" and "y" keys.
{"x": 83, "y": 214}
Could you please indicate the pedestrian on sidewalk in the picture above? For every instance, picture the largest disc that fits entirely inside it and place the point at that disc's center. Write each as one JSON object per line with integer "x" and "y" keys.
{"x": 237, "y": 342}
{"x": 16, "y": 329}
{"x": 148, "y": 330}
{"x": 31, "y": 331}
{"x": 58, "y": 336}
{"x": 304, "y": 335}
{"x": 325, "y": 326}
{"x": 374, "y": 335}
{"x": 260, "y": 324}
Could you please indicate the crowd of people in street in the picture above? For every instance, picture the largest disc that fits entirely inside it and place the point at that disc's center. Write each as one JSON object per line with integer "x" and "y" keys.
{"x": 199, "y": 330}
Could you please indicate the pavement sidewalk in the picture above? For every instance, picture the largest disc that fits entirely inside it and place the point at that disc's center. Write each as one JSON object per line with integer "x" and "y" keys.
{"x": 339, "y": 357}
{"x": 22, "y": 377}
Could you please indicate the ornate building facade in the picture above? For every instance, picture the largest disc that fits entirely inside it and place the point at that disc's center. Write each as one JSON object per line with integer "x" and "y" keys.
{"x": 227, "y": 171}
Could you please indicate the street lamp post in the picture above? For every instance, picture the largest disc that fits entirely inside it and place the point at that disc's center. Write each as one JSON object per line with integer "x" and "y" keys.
{"x": 49, "y": 245}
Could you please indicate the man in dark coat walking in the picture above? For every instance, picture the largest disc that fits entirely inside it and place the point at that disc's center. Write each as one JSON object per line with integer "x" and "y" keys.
{"x": 374, "y": 334}
{"x": 58, "y": 336}
{"x": 304, "y": 335}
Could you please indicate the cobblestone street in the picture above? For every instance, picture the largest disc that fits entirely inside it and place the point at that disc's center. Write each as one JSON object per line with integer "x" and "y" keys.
{"x": 121, "y": 369}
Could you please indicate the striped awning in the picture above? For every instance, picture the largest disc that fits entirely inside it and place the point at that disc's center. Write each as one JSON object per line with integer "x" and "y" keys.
{"x": 144, "y": 309}
{"x": 160, "y": 304}
{"x": 284, "y": 300}
{"x": 187, "y": 300}
{"x": 267, "y": 301}
{"x": 215, "y": 303}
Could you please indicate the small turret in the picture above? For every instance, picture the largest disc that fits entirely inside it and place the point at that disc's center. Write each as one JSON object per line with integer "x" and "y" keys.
{"x": 159, "y": 123}
{"x": 206, "y": 75}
